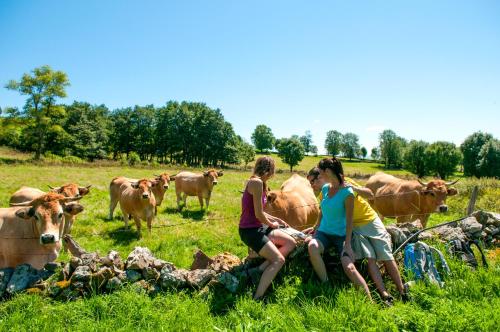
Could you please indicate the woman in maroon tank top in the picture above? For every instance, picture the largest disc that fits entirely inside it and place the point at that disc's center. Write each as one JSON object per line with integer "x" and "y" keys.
{"x": 259, "y": 230}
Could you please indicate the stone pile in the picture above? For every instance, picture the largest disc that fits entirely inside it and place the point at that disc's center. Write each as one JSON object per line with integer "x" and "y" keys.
{"x": 481, "y": 225}
{"x": 89, "y": 273}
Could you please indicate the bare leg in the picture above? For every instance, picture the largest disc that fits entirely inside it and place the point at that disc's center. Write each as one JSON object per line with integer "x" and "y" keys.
{"x": 392, "y": 268}
{"x": 284, "y": 242}
{"x": 316, "y": 249}
{"x": 376, "y": 276}
{"x": 276, "y": 262}
{"x": 353, "y": 274}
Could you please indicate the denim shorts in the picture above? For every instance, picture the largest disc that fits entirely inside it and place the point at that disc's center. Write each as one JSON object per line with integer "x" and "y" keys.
{"x": 330, "y": 240}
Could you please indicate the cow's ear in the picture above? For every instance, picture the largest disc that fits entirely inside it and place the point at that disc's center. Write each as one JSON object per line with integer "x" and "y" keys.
{"x": 205, "y": 173}
{"x": 172, "y": 178}
{"x": 134, "y": 185}
{"x": 452, "y": 191}
{"x": 84, "y": 190}
{"x": 73, "y": 208}
{"x": 220, "y": 173}
{"x": 154, "y": 183}
{"x": 25, "y": 213}
{"x": 271, "y": 197}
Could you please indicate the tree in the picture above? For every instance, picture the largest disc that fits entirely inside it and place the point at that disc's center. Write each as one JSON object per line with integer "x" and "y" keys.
{"x": 246, "y": 152}
{"x": 263, "y": 138}
{"x": 363, "y": 152}
{"x": 415, "y": 158}
{"x": 306, "y": 141}
{"x": 470, "y": 149}
{"x": 42, "y": 89}
{"x": 350, "y": 145}
{"x": 314, "y": 150}
{"x": 489, "y": 159}
{"x": 88, "y": 126}
{"x": 442, "y": 159}
{"x": 291, "y": 151}
{"x": 375, "y": 154}
{"x": 333, "y": 142}
{"x": 391, "y": 149}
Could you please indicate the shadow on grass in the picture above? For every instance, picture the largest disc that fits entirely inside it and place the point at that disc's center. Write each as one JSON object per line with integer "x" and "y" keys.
{"x": 123, "y": 236}
{"x": 187, "y": 214}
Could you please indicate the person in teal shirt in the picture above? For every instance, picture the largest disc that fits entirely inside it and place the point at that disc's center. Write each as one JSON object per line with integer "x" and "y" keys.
{"x": 335, "y": 224}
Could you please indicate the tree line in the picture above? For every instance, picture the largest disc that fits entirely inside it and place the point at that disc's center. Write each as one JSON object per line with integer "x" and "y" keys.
{"x": 187, "y": 133}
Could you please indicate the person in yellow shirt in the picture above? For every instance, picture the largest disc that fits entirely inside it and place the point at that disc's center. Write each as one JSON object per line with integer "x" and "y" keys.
{"x": 370, "y": 239}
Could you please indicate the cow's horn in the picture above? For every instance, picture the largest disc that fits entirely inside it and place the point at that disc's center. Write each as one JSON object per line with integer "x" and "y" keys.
{"x": 22, "y": 204}
{"x": 88, "y": 187}
{"x": 422, "y": 183}
{"x": 452, "y": 183}
{"x": 71, "y": 199}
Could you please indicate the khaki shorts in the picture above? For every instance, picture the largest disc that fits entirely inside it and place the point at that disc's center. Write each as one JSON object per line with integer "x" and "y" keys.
{"x": 372, "y": 241}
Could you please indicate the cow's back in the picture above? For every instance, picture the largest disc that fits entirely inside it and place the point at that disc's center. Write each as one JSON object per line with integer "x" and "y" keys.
{"x": 189, "y": 183}
{"x": 25, "y": 194}
{"x": 397, "y": 197}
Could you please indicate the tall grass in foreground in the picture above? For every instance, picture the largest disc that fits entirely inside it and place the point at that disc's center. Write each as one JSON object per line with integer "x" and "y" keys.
{"x": 470, "y": 300}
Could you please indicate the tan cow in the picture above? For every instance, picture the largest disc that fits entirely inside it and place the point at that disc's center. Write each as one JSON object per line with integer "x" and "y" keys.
{"x": 26, "y": 194}
{"x": 408, "y": 200}
{"x": 295, "y": 203}
{"x": 138, "y": 201}
{"x": 158, "y": 190}
{"x": 191, "y": 184}
{"x": 31, "y": 232}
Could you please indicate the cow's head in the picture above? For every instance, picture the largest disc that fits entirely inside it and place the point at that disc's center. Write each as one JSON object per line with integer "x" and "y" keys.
{"x": 164, "y": 180}
{"x": 212, "y": 176}
{"x": 47, "y": 213}
{"x": 434, "y": 194}
{"x": 144, "y": 187}
{"x": 71, "y": 190}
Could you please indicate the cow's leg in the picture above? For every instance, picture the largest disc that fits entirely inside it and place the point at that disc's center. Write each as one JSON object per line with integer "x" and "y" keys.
{"x": 178, "y": 193}
{"x": 200, "y": 199}
{"x": 156, "y": 210}
{"x": 207, "y": 200}
{"x": 138, "y": 225}
{"x": 423, "y": 219}
{"x": 184, "y": 199}
{"x": 125, "y": 217}
{"x": 150, "y": 222}
{"x": 112, "y": 205}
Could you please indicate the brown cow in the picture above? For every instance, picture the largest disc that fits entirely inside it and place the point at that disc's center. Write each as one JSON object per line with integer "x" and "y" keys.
{"x": 158, "y": 190}
{"x": 294, "y": 203}
{"x": 191, "y": 184}
{"x": 138, "y": 201}
{"x": 26, "y": 194}
{"x": 31, "y": 231}
{"x": 408, "y": 200}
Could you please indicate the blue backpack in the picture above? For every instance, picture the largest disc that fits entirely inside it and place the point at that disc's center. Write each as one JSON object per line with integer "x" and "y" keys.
{"x": 419, "y": 262}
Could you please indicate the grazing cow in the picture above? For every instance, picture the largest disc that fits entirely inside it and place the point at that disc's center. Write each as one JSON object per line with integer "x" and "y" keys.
{"x": 191, "y": 184}
{"x": 295, "y": 203}
{"x": 408, "y": 200}
{"x": 31, "y": 232}
{"x": 158, "y": 190}
{"x": 26, "y": 194}
{"x": 138, "y": 201}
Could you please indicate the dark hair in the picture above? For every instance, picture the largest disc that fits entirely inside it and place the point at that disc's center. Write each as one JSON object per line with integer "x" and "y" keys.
{"x": 263, "y": 165}
{"x": 314, "y": 173}
{"x": 335, "y": 166}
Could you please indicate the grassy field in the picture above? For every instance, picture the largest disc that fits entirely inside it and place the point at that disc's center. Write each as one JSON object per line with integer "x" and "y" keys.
{"x": 470, "y": 301}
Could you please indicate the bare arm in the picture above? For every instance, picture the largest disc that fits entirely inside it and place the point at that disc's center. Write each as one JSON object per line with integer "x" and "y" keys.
{"x": 255, "y": 188}
{"x": 349, "y": 207}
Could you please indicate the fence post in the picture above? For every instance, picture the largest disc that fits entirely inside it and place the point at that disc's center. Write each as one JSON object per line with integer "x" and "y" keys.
{"x": 472, "y": 201}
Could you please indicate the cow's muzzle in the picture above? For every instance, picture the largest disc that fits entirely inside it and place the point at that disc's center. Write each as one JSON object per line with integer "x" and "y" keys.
{"x": 443, "y": 208}
{"x": 214, "y": 183}
{"x": 47, "y": 239}
{"x": 145, "y": 196}
{"x": 165, "y": 187}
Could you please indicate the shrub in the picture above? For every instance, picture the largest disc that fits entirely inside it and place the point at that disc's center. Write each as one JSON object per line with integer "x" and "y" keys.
{"x": 133, "y": 158}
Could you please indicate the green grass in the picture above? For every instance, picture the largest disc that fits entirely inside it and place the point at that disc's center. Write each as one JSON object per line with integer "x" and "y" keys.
{"x": 470, "y": 300}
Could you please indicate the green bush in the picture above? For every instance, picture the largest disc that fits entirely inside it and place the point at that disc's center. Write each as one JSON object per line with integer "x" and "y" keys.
{"x": 133, "y": 159}
{"x": 72, "y": 160}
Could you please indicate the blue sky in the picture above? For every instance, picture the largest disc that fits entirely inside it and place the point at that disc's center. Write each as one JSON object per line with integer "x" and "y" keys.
{"x": 426, "y": 69}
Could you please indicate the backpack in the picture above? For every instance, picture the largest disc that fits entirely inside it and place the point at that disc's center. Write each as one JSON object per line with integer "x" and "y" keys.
{"x": 419, "y": 261}
{"x": 462, "y": 249}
